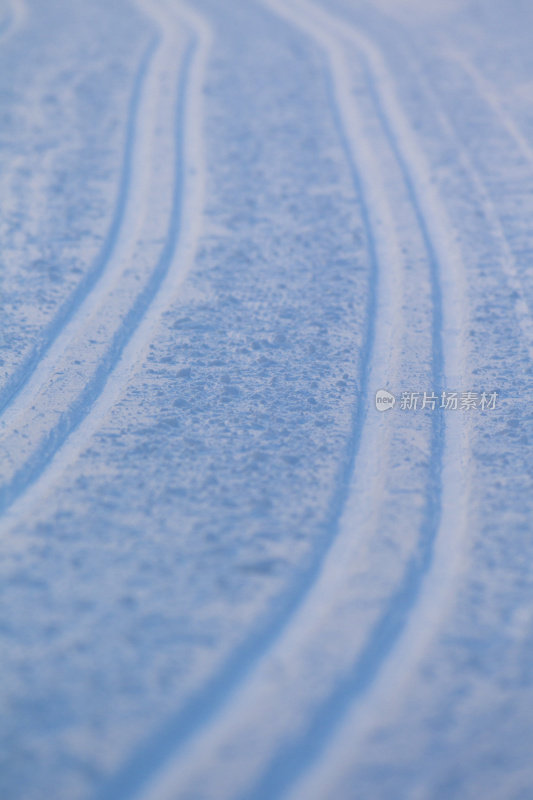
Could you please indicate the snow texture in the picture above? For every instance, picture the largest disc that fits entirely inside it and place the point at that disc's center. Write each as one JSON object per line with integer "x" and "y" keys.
{"x": 224, "y": 574}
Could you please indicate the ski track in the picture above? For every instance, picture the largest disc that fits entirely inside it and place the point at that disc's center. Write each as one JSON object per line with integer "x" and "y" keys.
{"x": 92, "y": 304}
{"x": 307, "y": 766}
{"x": 207, "y": 709}
{"x": 198, "y": 713}
{"x": 403, "y": 633}
{"x": 508, "y": 261}
{"x": 199, "y": 710}
{"x": 56, "y": 359}
{"x": 487, "y": 93}
{"x": 36, "y": 473}
{"x": 190, "y": 760}
{"x": 20, "y": 378}
{"x": 60, "y": 370}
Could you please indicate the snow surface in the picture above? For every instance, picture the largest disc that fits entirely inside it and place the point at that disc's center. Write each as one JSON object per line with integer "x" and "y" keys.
{"x": 224, "y": 575}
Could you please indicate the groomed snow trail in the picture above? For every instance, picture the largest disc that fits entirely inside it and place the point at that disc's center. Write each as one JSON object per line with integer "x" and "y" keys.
{"x": 225, "y": 574}
{"x": 122, "y": 306}
{"x": 319, "y": 617}
{"x": 58, "y": 331}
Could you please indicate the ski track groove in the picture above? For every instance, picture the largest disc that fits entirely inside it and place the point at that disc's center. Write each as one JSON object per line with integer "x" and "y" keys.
{"x": 69, "y": 421}
{"x": 292, "y": 760}
{"x": 198, "y": 711}
{"x": 23, "y": 374}
{"x": 224, "y": 728}
{"x": 509, "y": 263}
{"x": 486, "y": 92}
{"x": 399, "y": 643}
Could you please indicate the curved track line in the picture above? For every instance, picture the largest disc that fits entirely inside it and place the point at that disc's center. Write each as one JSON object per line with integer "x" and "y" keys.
{"x": 71, "y": 419}
{"x": 406, "y": 628}
{"x": 23, "y": 374}
{"x": 58, "y": 359}
{"x": 487, "y": 93}
{"x": 508, "y": 264}
{"x": 59, "y": 379}
{"x": 218, "y": 762}
{"x": 292, "y": 760}
{"x": 198, "y": 711}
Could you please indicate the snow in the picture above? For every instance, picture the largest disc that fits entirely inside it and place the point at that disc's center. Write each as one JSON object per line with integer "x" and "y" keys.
{"x": 223, "y": 573}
